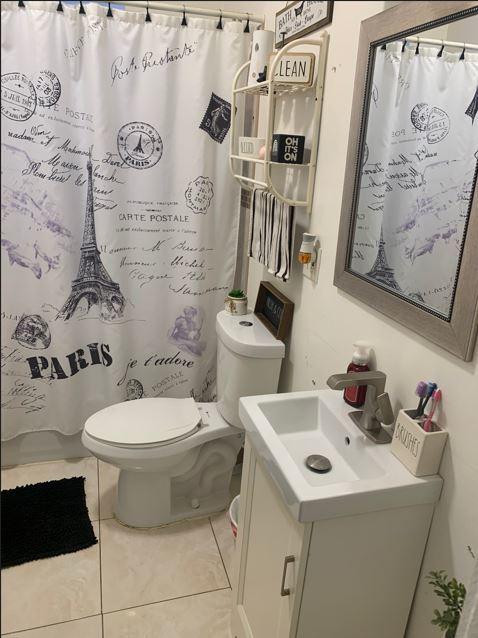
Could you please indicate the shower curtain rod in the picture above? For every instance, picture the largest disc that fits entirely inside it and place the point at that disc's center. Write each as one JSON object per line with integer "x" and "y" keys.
{"x": 179, "y": 8}
{"x": 446, "y": 43}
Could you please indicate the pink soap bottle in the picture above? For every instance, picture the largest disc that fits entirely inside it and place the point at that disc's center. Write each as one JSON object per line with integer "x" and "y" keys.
{"x": 355, "y": 394}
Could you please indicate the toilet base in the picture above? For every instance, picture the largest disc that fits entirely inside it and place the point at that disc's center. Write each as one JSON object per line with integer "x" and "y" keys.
{"x": 210, "y": 505}
{"x": 197, "y": 486}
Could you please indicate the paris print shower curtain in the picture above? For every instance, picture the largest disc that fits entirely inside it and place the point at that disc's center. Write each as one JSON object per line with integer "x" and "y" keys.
{"x": 119, "y": 216}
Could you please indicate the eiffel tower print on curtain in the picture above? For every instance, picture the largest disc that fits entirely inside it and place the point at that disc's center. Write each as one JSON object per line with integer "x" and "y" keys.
{"x": 92, "y": 284}
{"x": 381, "y": 271}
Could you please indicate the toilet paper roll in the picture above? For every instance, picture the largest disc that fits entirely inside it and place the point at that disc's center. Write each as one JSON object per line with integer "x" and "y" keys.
{"x": 262, "y": 46}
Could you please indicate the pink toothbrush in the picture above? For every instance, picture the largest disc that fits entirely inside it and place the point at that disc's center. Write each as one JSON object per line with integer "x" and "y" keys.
{"x": 428, "y": 425}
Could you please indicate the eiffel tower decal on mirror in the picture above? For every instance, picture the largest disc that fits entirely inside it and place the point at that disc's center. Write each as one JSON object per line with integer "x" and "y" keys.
{"x": 381, "y": 271}
{"x": 93, "y": 285}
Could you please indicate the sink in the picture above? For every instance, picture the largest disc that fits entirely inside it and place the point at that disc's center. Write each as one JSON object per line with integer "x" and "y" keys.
{"x": 285, "y": 429}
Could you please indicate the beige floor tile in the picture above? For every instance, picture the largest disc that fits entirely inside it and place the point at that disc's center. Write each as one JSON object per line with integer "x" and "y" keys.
{"x": 51, "y": 590}
{"x": 108, "y": 477}
{"x": 201, "y": 616}
{"x": 225, "y": 539}
{"x": 84, "y": 628}
{"x": 147, "y": 566}
{"x": 54, "y": 470}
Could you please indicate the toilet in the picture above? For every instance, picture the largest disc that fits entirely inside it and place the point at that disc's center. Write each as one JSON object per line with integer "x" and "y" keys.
{"x": 176, "y": 456}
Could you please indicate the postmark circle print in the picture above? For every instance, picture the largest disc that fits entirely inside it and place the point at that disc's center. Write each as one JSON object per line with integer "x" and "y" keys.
{"x": 32, "y": 331}
{"x": 19, "y": 98}
{"x": 48, "y": 88}
{"x": 419, "y": 116}
{"x": 139, "y": 145}
{"x": 438, "y": 125}
{"x": 134, "y": 390}
{"x": 199, "y": 194}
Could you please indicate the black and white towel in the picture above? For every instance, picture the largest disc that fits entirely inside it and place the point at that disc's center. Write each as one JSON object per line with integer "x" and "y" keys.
{"x": 270, "y": 233}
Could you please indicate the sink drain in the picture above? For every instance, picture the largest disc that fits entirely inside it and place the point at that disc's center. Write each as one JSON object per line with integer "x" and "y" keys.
{"x": 318, "y": 463}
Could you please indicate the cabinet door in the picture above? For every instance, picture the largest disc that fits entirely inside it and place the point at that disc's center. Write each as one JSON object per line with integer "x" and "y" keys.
{"x": 272, "y": 563}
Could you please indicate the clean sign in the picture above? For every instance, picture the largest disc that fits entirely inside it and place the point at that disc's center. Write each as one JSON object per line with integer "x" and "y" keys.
{"x": 296, "y": 68}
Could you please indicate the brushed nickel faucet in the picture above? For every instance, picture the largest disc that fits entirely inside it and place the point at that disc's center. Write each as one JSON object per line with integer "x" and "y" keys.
{"x": 377, "y": 408}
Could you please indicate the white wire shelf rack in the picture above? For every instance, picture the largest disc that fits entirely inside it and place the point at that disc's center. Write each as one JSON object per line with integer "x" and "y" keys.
{"x": 272, "y": 90}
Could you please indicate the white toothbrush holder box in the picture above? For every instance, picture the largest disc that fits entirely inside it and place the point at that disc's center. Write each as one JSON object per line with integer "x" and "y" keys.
{"x": 419, "y": 451}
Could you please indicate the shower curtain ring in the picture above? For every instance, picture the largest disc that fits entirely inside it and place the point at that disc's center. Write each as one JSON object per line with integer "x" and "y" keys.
{"x": 440, "y": 52}
{"x": 21, "y": 4}
{"x": 462, "y": 56}
{"x": 82, "y": 8}
{"x": 110, "y": 13}
{"x": 246, "y": 28}
{"x": 184, "y": 22}
{"x": 219, "y": 24}
{"x": 59, "y": 7}
{"x": 148, "y": 17}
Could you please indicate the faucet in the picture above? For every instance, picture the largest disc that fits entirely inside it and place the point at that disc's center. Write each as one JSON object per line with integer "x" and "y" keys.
{"x": 377, "y": 408}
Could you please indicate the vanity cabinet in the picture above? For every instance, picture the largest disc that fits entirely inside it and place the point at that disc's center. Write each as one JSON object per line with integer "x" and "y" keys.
{"x": 273, "y": 546}
{"x": 345, "y": 577}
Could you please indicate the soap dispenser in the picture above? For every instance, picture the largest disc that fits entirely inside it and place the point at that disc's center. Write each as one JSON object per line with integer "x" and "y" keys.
{"x": 355, "y": 394}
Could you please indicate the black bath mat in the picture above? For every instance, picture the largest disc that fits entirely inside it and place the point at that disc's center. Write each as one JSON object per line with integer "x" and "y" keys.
{"x": 44, "y": 520}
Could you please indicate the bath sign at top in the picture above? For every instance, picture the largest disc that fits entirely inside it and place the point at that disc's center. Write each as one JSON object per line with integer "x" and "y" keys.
{"x": 299, "y": 19}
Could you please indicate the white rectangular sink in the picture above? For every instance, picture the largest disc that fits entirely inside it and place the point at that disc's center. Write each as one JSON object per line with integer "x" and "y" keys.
{"x": 286, "y": 428}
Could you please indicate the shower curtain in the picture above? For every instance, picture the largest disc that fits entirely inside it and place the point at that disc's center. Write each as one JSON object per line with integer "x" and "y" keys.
{"x": 119, "y": 215}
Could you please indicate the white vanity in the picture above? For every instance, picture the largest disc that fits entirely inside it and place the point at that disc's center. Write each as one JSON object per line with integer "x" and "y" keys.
{"x": 330, "y": 555}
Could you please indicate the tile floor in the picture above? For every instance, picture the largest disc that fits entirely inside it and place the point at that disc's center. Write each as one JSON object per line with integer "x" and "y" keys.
{"x": 171, "y": 582}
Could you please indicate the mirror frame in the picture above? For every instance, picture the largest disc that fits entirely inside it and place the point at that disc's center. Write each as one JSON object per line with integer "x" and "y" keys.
{"x": 458, "y": 335}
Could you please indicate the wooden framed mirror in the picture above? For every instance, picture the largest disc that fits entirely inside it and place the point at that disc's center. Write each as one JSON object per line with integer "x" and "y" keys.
{"x": 408, "y": 237}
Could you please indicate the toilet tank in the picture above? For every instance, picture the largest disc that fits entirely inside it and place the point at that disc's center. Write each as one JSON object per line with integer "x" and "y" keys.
{"x": 249, "y": 358}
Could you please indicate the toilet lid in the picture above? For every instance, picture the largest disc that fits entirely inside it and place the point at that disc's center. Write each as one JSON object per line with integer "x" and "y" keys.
{"x": 144, "y": 421}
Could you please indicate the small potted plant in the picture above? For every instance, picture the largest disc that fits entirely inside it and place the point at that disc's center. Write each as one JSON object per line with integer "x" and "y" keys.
{"x": 236, "y": 302}
{"x": 453, "y": 595}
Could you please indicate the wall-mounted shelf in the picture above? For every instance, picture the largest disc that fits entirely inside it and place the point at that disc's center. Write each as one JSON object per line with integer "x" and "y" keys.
{"x": 263, "y": 162}
{"x": 280, "y": 88}
{"x": 271, "y": 90}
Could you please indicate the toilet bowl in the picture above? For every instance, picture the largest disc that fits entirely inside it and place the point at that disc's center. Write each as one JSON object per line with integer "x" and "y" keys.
{"x": 176, "y": 456}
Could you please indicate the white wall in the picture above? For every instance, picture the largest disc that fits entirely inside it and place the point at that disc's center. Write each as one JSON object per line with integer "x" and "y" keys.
{"x": 327, "y": 321}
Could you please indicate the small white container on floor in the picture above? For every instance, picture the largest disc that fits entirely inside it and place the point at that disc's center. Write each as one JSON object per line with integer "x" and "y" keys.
{"x": 419, "y": 451}
{"x": 234, "y": 515}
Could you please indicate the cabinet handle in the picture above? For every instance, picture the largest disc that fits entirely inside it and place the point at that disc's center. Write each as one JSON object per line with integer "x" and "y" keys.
{"x": 283, "y": 590}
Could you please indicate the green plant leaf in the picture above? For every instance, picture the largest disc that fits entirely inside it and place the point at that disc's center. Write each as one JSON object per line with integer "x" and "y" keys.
{"x": 453, "y": 595}
{"x": 237, "y": 293}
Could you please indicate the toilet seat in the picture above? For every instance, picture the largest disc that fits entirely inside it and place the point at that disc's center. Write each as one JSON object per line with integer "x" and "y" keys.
{"x": 148, "y": 422}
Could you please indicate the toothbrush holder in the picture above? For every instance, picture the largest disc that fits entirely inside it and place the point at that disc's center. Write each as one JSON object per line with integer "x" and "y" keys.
{"x": 419, "y": 451}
